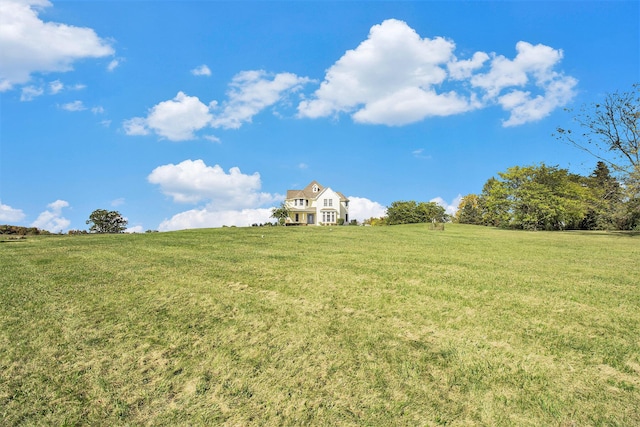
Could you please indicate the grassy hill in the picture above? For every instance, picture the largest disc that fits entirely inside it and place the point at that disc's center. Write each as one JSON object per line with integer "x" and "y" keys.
{"x": 321, "y": 326}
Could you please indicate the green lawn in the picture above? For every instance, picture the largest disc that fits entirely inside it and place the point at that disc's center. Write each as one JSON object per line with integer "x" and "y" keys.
{"x": 323, "y": 326}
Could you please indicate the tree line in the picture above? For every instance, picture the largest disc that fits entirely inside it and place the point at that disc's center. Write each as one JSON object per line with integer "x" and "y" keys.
{"x": 545, "y": 197}
{"x": 542, "y": 197}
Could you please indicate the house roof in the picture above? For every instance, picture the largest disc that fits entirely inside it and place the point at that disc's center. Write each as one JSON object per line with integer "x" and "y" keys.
{"x": 307, "y": 192}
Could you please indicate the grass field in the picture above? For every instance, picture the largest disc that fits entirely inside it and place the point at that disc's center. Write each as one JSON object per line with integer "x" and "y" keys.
{"x": 321, "y": 326}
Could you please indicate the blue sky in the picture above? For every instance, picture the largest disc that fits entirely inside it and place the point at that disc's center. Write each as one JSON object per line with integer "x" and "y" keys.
{"x": 204, "y": 113}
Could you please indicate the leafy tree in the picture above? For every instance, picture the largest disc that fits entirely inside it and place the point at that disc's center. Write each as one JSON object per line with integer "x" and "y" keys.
{"x": 610, "y": 130}
{"x": 281, "y": 213}
{"x": 469, "y": 210}
{"x": 495, "y": 203}
{"x": 605, "y": 199}
{"x": 535, "y": 198}
{"x": 411, "y": 212}
{"x": 104, "y": 221}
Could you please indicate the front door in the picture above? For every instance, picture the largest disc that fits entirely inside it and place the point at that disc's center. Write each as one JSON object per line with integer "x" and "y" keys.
{"x": 310, "y": 219}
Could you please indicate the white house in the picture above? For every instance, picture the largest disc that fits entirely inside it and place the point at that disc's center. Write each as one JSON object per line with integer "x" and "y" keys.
{"x": 316, "y": 205}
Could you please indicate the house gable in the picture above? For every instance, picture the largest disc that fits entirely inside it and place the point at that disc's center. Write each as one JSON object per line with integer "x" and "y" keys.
{"x": 316, "y": 205}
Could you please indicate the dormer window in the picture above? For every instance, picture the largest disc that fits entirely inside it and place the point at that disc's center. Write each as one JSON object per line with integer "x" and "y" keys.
{"x": 315, "y": 188}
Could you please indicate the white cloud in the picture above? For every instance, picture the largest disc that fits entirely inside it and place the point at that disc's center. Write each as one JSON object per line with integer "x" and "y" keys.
{"x": 29, "y": 45}
{"x": 395, "y": 78}
{"x": 176, "y": 119}
{"x": 231, "y": 198}
{"x": 389, "y": 79}
{"x": 30, "y": 92}
{"x": 361, "y": 208}
{"x": 55, "y": 86}
{"x": 525, "y": 108}
{"x": 52, "y": 219}
{"x": 201, "y": 70}
{"x": 98, "y": 110}
{"x": 192, "y": 181}
{"x": 211, "y": 218}
{"x": 212, "y": 138}
{"x": 464, "y": 69}
{"x": 73, "y": 106}
{"x": 9, "y": 214}
{"x": 252, "y": 92}
{"x": 115, "y": 63}
{"x": 532, "y": 69}
{"x": 135, "y": 229}
{"x": 136, "y": 126}
{"x": 450, "y": 208}
{"x": 118, "y": 202}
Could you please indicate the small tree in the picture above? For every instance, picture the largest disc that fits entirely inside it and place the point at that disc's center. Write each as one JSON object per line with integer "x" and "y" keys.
{"x": 281, "y": 213}
{"x": 104, "y": 221}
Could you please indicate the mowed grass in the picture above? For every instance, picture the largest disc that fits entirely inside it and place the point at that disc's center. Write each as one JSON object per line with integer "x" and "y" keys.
{"x": 279, "y": 326}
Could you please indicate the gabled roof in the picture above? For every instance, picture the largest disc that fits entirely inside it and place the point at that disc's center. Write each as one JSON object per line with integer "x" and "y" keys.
{"x": 308, "y": 193}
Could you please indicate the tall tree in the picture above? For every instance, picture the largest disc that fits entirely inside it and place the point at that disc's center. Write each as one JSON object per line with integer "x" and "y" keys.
{"x": 534, "y": 198}
{"x": 104, "y": 221}
{"x": 469, "y": 210}
{"x": 495, "y": 203}
{"x": 605, "y": 200}
{"x": 609, "y": 130}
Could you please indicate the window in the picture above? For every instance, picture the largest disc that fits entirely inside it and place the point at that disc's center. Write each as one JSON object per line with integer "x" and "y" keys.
{"x": 326, "y": 202}
{"x": 330, "y": 202}
{"x": 328, "y": 216}
{"x": 295, "y": 202}
{"x": 315, "y": 188}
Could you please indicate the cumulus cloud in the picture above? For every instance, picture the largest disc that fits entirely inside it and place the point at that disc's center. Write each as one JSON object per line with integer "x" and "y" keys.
{"x": 211, "y": 218}
{"x": 135, "y": 229}
{"x": 73, "y": 106}
{"x": 201, "y": 70}
{"x": 390, "y": 78}
{"x": 55, "y": 87}
{"x": 176, "y": 119}
{"x": 52, "y": 219}
{"x": 231, "y": 198}
{"x": 250, "y": 93}
{"x": 29, "y": 45}
{"x": 533, "y": 69}
{"x": 192, "y": 181}
{"x": 395, "y": 77}
{"x": 30, "y": 92}
{"x": 253, "y": 91}
{"x": 9, "y": 214}
{"x": 361, "y": 208}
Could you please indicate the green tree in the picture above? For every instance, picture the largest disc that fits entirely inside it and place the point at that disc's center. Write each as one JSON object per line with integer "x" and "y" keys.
{"x": 495, "y": 203}
{"x": 281, "y": 213}
{"x": 411, "y": 212}
{"x": 469, "y": 210}
{"x": 605, "y": 199}
{"x": 104, "y": 221}
{"x": 535, "y": 198}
